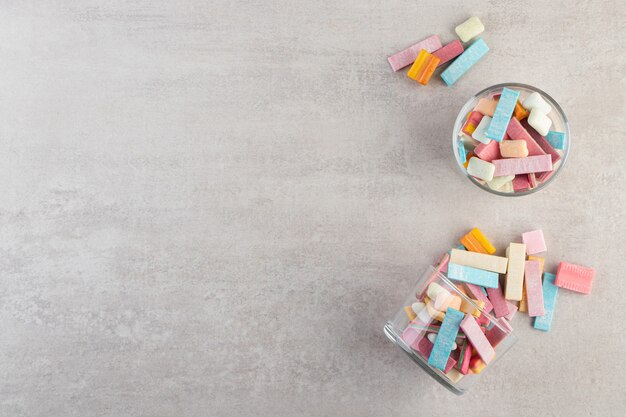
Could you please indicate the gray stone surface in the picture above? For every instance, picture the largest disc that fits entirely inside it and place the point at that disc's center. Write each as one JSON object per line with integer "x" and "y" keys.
{"x": 211, "y": 208}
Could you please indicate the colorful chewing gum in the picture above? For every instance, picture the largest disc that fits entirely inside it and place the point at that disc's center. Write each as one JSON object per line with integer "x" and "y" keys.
{"x": 539, "y": 259}
{"x": 521, "y": 183}
{"x": 541, "y": 141}
{"x": 465, "y": 61}
{"x": 502, "y": 115}
{"x": 478, "y": 339}
{"x": 488, "y": 151}
{"x": 556, "y": 139}
{"x": 534, "y": 241}
{"x": 469, "y": 29}
{"x": 486, "y": 106}
{"x": 500, "y": 307}
{"x": 515, "y": 272}
{"x": 516, "y": 131}
{"x": 534, "y": 291}
{"x": 481, "y": 169}
{"x": 535, "y": 102}
{"x": 498, "y": 183}
{"x": 513, "y": 149}
{"x": 523, "y": 305}
{"x": 514, "y": 166}
{"x": 472, "y": 122}
{"x": 476, "y": 241}
{"x": 575, "y": 277}
{"x": 409, "y": 55}
{"x": 539, "y": 121}
{"x": 462, "y": 151}
{"x": 445, "y": 339}
{"x": 426, "y": 348}
{"x": 481, "y": 128}
{"x": 449, "y": 52}
{"x": 477, "y": 292}
{"x": 423, "y": 67}
{"x": 550, "y": 292}
{"x": 520, "y": 113}
{"x": 479, "y": 260}
{"x": 472, "y": 275}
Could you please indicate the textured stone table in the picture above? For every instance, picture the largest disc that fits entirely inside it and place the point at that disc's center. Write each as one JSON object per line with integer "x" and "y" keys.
{"x": 211, "y": 208}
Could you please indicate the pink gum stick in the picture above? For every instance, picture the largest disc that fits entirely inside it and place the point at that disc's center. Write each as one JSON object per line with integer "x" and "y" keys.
{"x": 408, "y": 56}
{"x": 477, "y": 338}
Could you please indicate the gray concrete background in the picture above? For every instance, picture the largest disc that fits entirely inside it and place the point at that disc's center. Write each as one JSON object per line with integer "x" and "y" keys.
{"x": 211, "y": 208}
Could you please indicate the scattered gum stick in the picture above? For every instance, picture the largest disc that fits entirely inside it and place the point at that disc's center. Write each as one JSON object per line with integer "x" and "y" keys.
{"x": 449, "y": 52}
{"x": 516, "y": 131}
{"x": 472, "y": 275}
{"x": 550, "y": 292}
{"x": 534, "y": 241}
{"x": 423, "y": 67}
{"x": 482, "y": 239}
{"x": 472, "y": 244}
{"x": 472, "y": 27}
{"x": 500, "y": 308}
{"x": 477, "y": 339}
{"x": 479, "y": 260}
{"x": 409, "y": 55}
{"x": 575, "y": 277}
{"x": 465, "y": 61}
{"x": 502, "y": 115}
{"x": 514, "y": 166}
{"x": 534, "y": 291}
{"x": 515, "y": 272}
{"x": 537, "y": 258}
{"x": 446, "y": 338}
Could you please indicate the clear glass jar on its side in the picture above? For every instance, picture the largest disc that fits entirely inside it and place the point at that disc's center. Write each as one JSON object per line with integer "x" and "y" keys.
{"x": 559, "y": 124}
{"x": 412, "y": 334}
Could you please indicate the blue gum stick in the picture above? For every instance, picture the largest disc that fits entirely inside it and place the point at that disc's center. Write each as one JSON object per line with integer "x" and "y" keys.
{"x": 502, "y": 115}
{"x": 465, "y": 61}
{"x": 445, "y": 339}
{"x": 550, "y": 292}
{"x": 473, "y": 275}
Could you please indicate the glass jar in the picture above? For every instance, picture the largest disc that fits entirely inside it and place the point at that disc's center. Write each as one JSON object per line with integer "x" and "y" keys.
{"x": 411, "y": 334}
{"x": 559, "y": 124}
